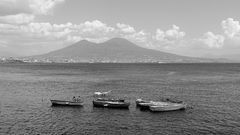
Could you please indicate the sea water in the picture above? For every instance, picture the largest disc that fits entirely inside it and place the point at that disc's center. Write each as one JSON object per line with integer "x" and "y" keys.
{"x": 211, "y": 90}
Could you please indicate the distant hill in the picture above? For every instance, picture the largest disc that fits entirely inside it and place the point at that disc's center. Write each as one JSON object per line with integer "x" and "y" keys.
{"x": 117, "y": 50}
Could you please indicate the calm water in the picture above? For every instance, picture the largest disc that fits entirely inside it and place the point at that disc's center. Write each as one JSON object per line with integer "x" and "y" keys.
{"x": 213, "y": 90}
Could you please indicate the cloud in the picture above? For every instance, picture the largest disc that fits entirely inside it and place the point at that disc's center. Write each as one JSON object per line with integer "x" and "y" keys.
{"x": 25, "y": 11}
{"x": 69, "y": 31}
{"x": 175, "y": 33}
{"x": 231, "y": 28}
{"x": 212, "y": 40}
{"x": 129, "y": 32}
{"x": 227, "y": 40}
{"x": 36, "y": 7}
{"x": 140, "y": 36}
{"x": 94, "y": 31}
{"x": 124, "y": 28}
{"x": 17, "y": 19}
{"x": 169, "y": 36}
{"x": 43, "y": 7}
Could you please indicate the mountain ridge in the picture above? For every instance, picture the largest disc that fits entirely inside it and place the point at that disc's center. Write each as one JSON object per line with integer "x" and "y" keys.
{"x": 115, "y": 50}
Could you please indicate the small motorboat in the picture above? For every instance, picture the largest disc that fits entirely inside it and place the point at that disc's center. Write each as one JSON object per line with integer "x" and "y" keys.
{"x": 160, "y": 105}
{"x": 66, "y": 103}
{"x": 168, "y": 107}
{"x": 111, "y": 103}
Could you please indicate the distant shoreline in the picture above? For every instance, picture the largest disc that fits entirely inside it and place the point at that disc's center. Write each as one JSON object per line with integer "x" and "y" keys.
{"x": 120, "y": 63}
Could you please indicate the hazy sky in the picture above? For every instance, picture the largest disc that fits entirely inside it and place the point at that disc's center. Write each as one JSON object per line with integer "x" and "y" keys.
{"x": 202, "y": 28}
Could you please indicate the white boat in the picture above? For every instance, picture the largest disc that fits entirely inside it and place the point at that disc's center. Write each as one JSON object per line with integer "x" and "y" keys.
{"x": 167, "y": 107}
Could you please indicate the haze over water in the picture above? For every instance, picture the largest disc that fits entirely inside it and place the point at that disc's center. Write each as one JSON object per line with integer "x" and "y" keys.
{"x": 213, "y": 91}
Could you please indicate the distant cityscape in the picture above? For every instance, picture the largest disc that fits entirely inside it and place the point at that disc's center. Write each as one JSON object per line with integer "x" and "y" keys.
{"x": 94, "y": 60}
{"x": 22, "y": 60}
{"x": 72, "y": 60}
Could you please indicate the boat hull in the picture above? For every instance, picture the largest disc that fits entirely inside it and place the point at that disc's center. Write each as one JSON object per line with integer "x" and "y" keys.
{"x": 111, "y": 104}
{"x": 65, "y": 103}
{"x": 165, "y": 108}
{"x": 109, "y": 99}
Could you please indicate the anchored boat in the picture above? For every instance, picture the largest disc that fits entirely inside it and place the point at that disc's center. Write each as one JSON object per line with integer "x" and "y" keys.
{"x": 66, "y": 103}
{"x": 110, "y": 103}
{"x": 168, "y": 107}
{"x": 160, "y": 106}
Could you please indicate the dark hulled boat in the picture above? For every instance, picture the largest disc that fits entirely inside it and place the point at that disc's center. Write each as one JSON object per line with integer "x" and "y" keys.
{"x": 65, "y": 103}
{"x": 111, "y": 103}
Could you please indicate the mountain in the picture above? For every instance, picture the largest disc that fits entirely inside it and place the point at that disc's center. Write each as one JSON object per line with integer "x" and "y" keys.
{"x": 114, "y": 50}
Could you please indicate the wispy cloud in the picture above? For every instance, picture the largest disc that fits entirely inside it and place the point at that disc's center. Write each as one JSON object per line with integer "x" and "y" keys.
{"x": 43, "y": 6}
{"x": 17, "y": 19}
{"x": 36, "y": 7}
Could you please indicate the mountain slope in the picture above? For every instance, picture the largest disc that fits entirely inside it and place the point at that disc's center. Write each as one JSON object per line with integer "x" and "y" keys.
{"x": 114, "y": 50}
